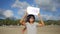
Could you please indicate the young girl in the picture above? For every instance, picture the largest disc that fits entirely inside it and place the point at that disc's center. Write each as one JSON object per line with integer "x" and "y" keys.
{"x": 31, "y": 25}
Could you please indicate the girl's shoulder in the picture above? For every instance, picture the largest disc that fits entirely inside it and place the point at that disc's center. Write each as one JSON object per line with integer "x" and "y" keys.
{"x": 33, "y": 23}
{"x": 27, "y": 22}
{"x": 36, "y": 23}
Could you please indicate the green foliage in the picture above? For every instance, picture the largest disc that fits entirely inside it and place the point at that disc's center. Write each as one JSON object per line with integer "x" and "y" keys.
{"x": 54, "y": 22}
{"x": 8, "y": 21}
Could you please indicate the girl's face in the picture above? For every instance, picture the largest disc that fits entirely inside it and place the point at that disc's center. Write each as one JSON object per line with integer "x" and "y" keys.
{"x": 31, "y": 19}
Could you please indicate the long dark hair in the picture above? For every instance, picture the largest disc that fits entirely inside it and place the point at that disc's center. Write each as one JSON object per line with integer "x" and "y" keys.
{"x": 29, "y": 16}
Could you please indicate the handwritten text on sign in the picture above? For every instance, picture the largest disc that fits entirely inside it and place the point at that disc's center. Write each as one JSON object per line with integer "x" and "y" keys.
{"x": 33, "y": 10}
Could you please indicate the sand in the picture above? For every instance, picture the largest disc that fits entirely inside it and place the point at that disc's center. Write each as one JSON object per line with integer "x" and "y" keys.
{"x": 51, "y": 29}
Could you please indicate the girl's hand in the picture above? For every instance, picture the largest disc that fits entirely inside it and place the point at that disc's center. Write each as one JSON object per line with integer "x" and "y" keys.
{"x": 25, "y": 15}
{"x": 42, "y": 23}
{"x": 22, "y": 21}
{"x": 39, "y": 15}
{"x": 26, "y": 12}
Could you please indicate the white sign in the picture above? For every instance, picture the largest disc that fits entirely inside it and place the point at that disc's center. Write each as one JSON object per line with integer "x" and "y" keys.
{"x": 33, "y": 10}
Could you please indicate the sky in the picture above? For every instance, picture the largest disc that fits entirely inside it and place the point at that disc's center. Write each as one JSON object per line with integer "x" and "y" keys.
{"x": 49, "y": 9}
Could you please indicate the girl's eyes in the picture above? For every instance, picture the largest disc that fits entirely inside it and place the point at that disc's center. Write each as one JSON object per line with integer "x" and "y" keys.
{"x": 31, "y": 18}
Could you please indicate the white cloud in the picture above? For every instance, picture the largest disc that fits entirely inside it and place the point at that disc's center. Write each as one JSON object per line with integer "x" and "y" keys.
{"x": 22, "y": 7}
{"x": 50, "y": 5}
{"x": 53, "y": 9}
{"x": 1, "y": 14}
{"x": 16, "y": 17}
{"x": 19, "y": 4}
{"x": 45, "y": 4}
{"x": 8, "y": 13}
{"x": 47, "y": 17}
{"x": 50, "y": 17}
{"x": 21, "y": 11}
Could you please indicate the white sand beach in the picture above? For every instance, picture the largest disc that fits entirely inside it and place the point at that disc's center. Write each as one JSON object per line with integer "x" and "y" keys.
{"x": 51, "y": 29}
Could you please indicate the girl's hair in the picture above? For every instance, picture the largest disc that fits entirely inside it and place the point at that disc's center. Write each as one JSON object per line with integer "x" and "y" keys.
{"x": 29, "y": 16}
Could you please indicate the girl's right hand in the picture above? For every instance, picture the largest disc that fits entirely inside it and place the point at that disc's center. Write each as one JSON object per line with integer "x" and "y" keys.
{"x": 25, "y": 15}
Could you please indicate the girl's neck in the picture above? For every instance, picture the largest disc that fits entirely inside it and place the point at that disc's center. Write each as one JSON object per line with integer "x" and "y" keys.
{"x": 31, "y": 22}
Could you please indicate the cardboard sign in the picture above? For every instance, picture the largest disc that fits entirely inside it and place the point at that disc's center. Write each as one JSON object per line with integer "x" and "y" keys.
{"x": 33, "y": 10}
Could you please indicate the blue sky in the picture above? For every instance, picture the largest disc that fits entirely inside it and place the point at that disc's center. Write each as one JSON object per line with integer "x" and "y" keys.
{"x": 49, "y": 9}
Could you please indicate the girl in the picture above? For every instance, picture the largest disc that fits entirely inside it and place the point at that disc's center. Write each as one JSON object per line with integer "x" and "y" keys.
{"x": 30, "y": 24}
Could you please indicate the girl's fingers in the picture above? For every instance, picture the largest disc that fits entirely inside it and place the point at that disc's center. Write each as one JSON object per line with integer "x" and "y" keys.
{"x": 26, "y": 13}
{"x": 38, "y": 14}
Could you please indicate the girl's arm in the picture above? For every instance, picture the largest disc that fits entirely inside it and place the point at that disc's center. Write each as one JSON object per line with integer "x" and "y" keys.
{"x": 22, "y": 21}
{"x": 41, "y": 23}
{"x": 24, "y": 30}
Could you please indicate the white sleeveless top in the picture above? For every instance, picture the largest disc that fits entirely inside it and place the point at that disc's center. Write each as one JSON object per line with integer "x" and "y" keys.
{"x": 31, "y": 28}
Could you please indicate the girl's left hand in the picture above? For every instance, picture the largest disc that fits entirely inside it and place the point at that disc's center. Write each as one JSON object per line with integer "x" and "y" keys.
{"x": 39, "y": 15}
